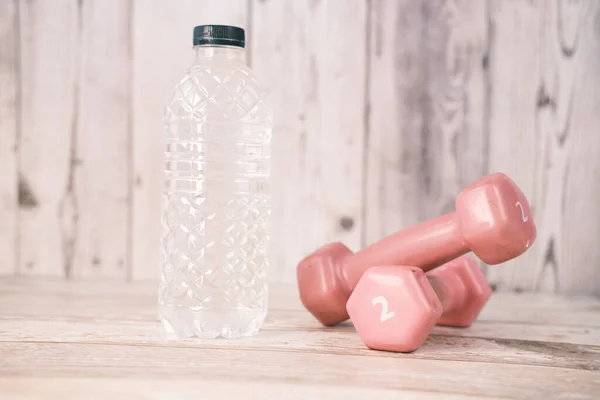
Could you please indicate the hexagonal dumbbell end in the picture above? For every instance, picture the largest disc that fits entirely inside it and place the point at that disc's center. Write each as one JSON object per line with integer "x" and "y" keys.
{"x": 495, "y": 219}
{"x": 321, "y": 284}
{"x": 462, "y": 289}
{"x": 394, "y": 308}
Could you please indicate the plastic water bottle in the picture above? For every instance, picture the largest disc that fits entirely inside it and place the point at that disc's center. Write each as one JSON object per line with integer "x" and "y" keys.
{"x": 216, "y": 199}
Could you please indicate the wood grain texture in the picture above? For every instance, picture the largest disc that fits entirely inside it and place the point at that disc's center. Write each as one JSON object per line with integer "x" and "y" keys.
{"x": 514, "y": 63}
{"x": 79, "y": 360}
{"x": 100, "y": 169}
{"x": 312, "y": 57}
{"x": 574, "y": 63}
{"x": 162, "y": 46}
{"x": 49, "y": 50}
{"x": 426, "y": 136}
{"x": 543, "y": 134}
{"x": 9, "y": 122}
{"x": 104, "y": 339}
{"x": 164, "y": 388}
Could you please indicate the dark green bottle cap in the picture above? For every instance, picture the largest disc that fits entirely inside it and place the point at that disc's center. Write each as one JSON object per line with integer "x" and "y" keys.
{"x": 219, "y": 35}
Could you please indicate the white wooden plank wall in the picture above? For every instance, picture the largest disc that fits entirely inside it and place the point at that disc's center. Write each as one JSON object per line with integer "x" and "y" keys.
{"x": 9, "y": 120}
{"x": 312, "y": 54}
{"x": 544, "y": 84}
{"x": 514, "y": 74}
{"x": 102, "y": 143}
{"x": 426, "y": 135}
{"x": 384, "y": 110}
{"x": 49, "y": 33}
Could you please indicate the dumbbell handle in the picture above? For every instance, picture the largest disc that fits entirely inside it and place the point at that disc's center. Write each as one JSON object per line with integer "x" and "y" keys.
{"x": 425, "y": 245}
{"x": 451, "y": 291}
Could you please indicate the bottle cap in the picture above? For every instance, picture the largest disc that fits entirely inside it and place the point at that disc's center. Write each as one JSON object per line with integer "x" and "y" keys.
{"x": 219, "y": 35}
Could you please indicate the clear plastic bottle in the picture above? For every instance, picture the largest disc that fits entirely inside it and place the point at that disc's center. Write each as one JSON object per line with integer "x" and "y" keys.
{"x": 216, "y": 199}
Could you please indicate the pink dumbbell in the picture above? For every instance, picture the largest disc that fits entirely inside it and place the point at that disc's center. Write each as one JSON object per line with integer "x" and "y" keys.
{"x": 395, "y": 308}
{"x": 492, "y": 219}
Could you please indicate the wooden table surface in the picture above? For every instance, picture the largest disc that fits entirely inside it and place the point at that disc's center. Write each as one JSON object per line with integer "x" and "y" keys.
{"x": 94, "y": 340}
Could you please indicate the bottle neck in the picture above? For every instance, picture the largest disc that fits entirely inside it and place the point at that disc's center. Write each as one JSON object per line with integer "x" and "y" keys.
{"x": 219, "y": 53}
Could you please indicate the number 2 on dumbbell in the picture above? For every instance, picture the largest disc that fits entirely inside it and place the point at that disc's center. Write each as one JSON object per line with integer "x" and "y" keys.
{"x": 385, "y": 314}
{"x": 523, "y": 216}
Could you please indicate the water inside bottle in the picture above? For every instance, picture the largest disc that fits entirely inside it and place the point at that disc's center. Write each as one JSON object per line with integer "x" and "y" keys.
{"x": 216, "y": 200}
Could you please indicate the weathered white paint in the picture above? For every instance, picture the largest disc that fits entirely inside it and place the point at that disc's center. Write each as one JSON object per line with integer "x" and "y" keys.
{"x": 578, "y": 121}
{"x": 101, "y": 172}
{"x": 426, "y": 137}
{"x": 312, "y": 56}
{"x": 514, "y": 81}
{"x": 543, "y": 132}
{"x": 9, "y": 97}
{"x": 49, "y": 53}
